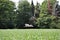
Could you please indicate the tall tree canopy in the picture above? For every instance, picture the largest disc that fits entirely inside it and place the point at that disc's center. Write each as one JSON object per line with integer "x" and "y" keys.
{"x": 6, "y": 12}
{"x": 24, "y": 12}
{"x": 46, "y": 20}
{"x": 32, "y": 8}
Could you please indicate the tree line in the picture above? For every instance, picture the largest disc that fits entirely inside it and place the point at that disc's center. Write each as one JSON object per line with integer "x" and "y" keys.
{"x": 12, "y": 17}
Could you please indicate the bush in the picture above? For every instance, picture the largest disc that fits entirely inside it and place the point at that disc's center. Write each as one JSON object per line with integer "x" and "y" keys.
{"x": 46, "y": 21}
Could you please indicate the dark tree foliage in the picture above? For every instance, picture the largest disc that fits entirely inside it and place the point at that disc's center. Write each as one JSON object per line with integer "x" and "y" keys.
{"x": 6, "y": 14}
{"x": 32, "y": 8}
{"x": 24, "y": 13}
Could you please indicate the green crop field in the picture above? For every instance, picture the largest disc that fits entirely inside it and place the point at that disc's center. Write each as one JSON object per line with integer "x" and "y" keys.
{"x": 30, "y": 34}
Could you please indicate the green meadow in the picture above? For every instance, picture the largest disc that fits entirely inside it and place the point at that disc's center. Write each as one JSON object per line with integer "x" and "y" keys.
{"x": 30, "y": 34}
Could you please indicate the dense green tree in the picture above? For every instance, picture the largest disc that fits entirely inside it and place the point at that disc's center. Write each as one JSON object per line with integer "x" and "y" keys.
{"x": 24, "y": 13}
{"x": 46, "y": 20}
{"x": 6, "y": 13}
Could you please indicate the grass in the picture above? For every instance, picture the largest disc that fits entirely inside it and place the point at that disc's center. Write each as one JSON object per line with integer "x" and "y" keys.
{"x": 30, "y": 34}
